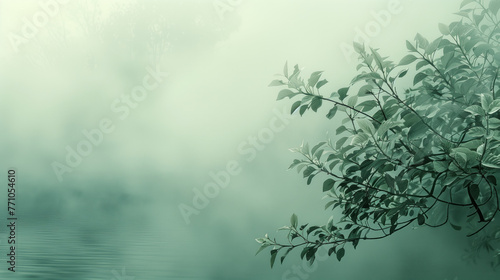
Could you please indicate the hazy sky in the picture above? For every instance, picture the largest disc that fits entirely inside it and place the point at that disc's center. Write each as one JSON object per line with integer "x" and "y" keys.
{"x": 71, "y": 73}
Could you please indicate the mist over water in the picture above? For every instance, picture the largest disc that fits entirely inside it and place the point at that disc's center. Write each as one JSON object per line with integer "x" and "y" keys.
{"x": 89, "y": 90}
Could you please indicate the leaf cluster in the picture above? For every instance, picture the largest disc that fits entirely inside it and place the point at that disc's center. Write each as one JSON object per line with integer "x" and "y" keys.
{"x": 418, "y": 140}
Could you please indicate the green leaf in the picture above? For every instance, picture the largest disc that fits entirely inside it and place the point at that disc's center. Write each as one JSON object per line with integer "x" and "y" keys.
{"x": 394, "y": 218}
{"x": 307, "y": 97}
{"x": 309, "y": 179}
{"x": 295, "y": 105}
{"x": 474, "y": 191}
{"x": 295, "y": 163}
{"x": 331, "y": 251}
{"x": 420, "y": 219}
{"x": 294, "y": 81}
{"x": 421, "y": 41}
{"x": 390, "y": 181}
{"x": 286, "y": 93}
{"x": 262, "y": 247}
{"x": 402, "y": 185}
{"x": 332, "y": 113}
{"x": 432, "y": 47}
{"x": 366, "y": 77}
{"x": 359, "y": 48}
{"x": 285, "y": 69}
{"x": 286, "y": 253}
{"x": 492, "y": 179}
{"x": 316, "y": 103}
{"x": 294, "y": 221}
{"x": 310, "y": 254}
{"x": 368, "y": 105}
{"x": 300, "y": 167}
{"x": 304, "y": 251}
{"x": 311, "y": 229}
{"x": 340, "y": 254}
{"x": 274, "y": 253}
{"x": 494, "y": 6}
{"x": 486, "y": 100}
{"x": 378, "y": 59}
{"x": 343, "y": 93}
{"x": 340, "y": 129}
{"x": 475, "y": 110}
{"x": 494, "y": 107}
{"x": 305, "y": 148}
{"x": 308, "y": 171}
{"x": 407, "y": 60}
{"x": 421, "y": 64}
{"x": 419, "y": 77}
{"x": 464, "y": 13}
{"x": 497, "y": 58}
{"x": 443, "y": 28}
{"x": 481, "y": 49}
{"x": 402, "y": 73}
{"x": 276, "y": 83}
{"x": 314, "y": 78}
{"x": 417, "y": 130}
{"x": 364, "y": 90}
{"x": 261, "y": 240}
{"x": 296, "y": 70}
{"x": 393, "y": 228}
{"x": 316, "y": 147}
{"x": 478, "y": 18}
{"x": 477, "y": 131}
{"x": 440, "y": 166}
{"x": 465, "y": 2}
{"x": 351, "y": 102}
{"x": 359, "y": 138}
{"x": 461, "y": 158}
{"x": 473, "y": 145}
{"x": 331, "y": 203}
{"x": 340, "y": 142}
{"x": 321, "y": 83}
{"x": 355, "y": 243}
{"x": 303, "y": 109}
{"x": 491, "y": 161}
{"x": 494, "y": 123}
{"x": 385, "y": 126}
{"x": 410, "y": 46}
{"x": 328, "y": 185}
{"x": 455, "y": 227}
{"x": 366, "y": 126}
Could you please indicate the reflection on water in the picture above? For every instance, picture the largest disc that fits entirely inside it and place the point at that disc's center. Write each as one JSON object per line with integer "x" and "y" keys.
{"x": 61, "y": 249}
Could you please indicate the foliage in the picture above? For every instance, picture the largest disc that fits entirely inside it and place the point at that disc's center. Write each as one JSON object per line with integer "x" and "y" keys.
{"x": 425, "y": 154}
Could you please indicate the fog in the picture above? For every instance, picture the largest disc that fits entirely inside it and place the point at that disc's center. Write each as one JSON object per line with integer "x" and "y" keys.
{"x": 99, "y": 206}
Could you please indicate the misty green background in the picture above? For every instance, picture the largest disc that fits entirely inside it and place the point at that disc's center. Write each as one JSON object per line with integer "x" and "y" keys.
{"x": 118, "y": 210}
